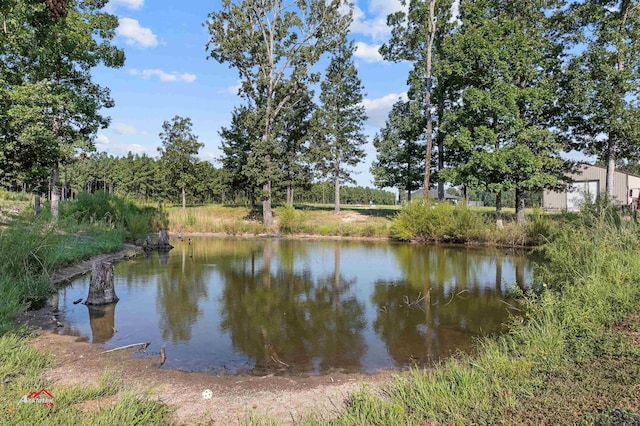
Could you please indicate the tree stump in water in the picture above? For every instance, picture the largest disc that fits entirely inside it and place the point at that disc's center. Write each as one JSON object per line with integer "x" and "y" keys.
{"x": 161, "y": 245}
{"x": 163, "y": 239}
{"x": 101, "y": 289}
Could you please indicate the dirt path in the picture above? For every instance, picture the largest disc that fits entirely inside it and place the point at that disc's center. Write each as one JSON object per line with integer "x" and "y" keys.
{"x": 232, "y": 398}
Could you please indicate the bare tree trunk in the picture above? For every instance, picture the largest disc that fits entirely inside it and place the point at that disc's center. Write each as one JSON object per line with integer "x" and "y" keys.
{"x": 55, "y": 193}
{"x": 440, "y": 142}
{"x": 611, "y": 165}
{"x": 432, "y": 34}
{"x": 499, "y": 223}
{"x": 184, "y": 199}
{"x": 267, "y": 212}
{"x": 101, "y": 289}
{"x": 336, "y": 183}
{"x": 520, "y": 202}
{"x": 290, "y": 195}
{"x": 36, "y": 204}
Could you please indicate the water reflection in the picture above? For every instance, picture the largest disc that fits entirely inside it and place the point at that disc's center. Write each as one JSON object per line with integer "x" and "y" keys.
{"x": 286, "y": 319}
{"x": 102, "y": 322}
{"x": 180, "y": 290}
{"x": 278, "y": 306}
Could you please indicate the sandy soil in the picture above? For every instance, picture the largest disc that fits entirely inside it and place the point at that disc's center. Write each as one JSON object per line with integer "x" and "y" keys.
{"x": 232, "y": 398}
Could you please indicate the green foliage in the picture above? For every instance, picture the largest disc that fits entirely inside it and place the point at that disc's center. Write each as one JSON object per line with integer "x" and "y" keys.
{"x": 50, "y": 105}
{"x": 178, "y": 154}
{"x": 339, "y": 132}
{"x": 505, "y": 89}
{"x": 422, "y": 221}
{"x": 289, "y": 220}
{"x": 273, "y": 65}
{"x": 323, "y": 193}
{"x": 601, "y": 81}
{"x": 400, "y": 159}
{"x": 15, "y": 196}
{"x": 540, "y": 229}
{"x": 113, "y": 211}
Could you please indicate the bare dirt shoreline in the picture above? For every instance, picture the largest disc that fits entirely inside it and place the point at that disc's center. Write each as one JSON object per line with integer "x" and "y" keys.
{"x": 233, "y": 398}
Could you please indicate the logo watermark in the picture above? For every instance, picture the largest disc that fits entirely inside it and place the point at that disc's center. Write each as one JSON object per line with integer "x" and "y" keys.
{"x": 42, "y": 396}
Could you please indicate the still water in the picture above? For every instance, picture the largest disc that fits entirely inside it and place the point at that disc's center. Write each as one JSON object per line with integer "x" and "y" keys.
{"x": 266, "y": 306}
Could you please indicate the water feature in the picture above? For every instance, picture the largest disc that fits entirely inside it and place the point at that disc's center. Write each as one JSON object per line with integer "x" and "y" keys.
{"x": 263, "y": 306}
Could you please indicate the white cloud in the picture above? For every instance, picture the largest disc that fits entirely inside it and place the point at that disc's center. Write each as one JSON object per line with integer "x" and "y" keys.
{"x": 136, "y": 34}
{"x": 455, "y": 12}
{"x": 374, "y": 22}
{"x": 102, "y": 140}
{"x": 378, "y": 109}
{"x": 134, "y": 148}
{"x": 128, "y": 4}
{"x": 368, "y": 52}
{"x": 126, "y": 129}
{"x": 121, "y": 150}
{"x": 234, "y": 89}
{"x": 163, "y": 75}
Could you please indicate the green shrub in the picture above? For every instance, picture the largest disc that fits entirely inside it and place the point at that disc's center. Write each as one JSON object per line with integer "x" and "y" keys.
{"x": 15, "y": 196}
{"x": 421, "y": 221}
{"x": 289, "y": 220}
{"x": 114, "y": 211}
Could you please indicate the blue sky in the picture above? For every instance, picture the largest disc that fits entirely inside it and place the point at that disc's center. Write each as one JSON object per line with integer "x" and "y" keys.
{"x": 167, "y": 73}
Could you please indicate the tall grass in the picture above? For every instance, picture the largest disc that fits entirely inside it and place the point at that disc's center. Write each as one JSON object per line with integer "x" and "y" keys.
{"x": 32, "y": 249}
{"x": 214, "y": 219}
{"x": 115, "y": 211}
{"x": 420, "y": 221}
{"x": 22, "y": 371}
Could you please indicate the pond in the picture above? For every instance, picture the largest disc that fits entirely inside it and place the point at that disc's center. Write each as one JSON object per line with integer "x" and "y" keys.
{"x": 262, "y": 306}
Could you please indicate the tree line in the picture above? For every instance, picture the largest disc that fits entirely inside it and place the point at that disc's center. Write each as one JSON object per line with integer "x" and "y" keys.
{"x": 506, "y": 88}
{"x": 498, "y": 92}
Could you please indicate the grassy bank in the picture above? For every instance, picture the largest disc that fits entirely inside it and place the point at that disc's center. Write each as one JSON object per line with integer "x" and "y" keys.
{"x": 567, "y": 337}
{"x": 30, "y": 251}
{"x": 417, "y": 222}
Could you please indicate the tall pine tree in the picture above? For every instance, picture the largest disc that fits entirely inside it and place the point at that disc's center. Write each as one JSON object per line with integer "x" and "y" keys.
{"x": 340, "y": 121}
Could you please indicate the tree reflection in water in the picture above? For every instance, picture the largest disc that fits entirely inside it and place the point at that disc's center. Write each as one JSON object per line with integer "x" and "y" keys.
{"x": 284, "y": 320}
{"x": 181, "y": 288}
{"x": 278, "y": 306}
{"x": 440, "y": 304}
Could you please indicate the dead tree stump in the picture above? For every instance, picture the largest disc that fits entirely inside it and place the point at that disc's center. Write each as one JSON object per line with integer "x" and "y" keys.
{"x": 101, "y": 289}
{"x": 163, "y": 239}
{"x": 162, "y": 243}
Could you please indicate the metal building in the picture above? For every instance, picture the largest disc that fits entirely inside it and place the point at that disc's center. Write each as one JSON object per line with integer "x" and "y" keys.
{"x": 590, "y": 181}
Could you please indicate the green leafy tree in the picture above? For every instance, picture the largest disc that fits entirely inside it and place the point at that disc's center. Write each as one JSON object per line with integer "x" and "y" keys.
{"x": 503, "y": 61}
{"x": 236, "y": 141}
{"x": 603, "y": 83}
{"x": 340, "y": 120}
{"x": 294, "y": 133}
{"x": 399, "y": 163}
{"x": 416, "y": 36}
{"x": 178, "y": 154}
{"x": 273, "y": 45}
{"x": 49, "y": 49}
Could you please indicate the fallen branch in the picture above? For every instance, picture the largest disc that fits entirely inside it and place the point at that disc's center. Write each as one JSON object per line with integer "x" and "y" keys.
{"x": 143, "y": 344}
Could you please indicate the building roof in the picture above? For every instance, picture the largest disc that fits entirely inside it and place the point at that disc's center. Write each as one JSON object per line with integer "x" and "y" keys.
{"x": 433, "y": 193}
